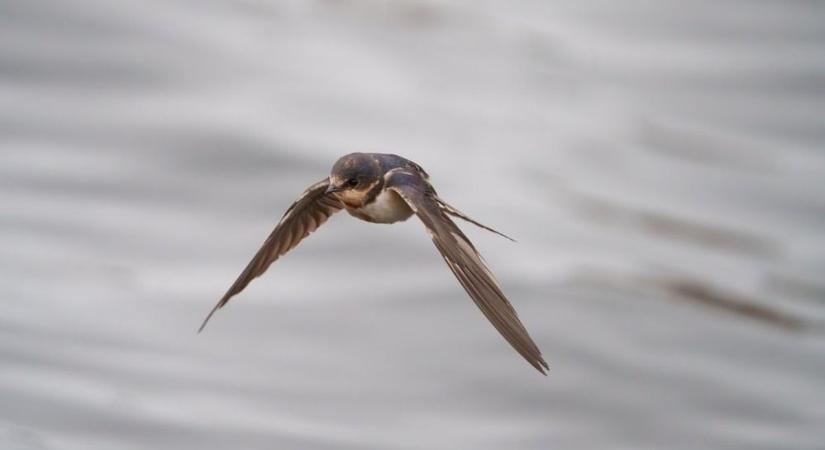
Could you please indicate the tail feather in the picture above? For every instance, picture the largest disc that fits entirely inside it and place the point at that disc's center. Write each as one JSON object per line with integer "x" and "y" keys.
{"x": 454, "y": 212}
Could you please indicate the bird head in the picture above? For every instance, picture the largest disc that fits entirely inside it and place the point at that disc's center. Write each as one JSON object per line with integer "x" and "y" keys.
{"x": 353, "y": 176}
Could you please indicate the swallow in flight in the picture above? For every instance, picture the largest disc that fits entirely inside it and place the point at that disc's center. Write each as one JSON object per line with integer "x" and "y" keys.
{"x": 384, "y": 188}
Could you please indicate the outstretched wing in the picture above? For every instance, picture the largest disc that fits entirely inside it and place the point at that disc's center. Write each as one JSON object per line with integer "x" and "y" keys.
{"x": 311, "y": 210}
{"x": 465, "y": 262}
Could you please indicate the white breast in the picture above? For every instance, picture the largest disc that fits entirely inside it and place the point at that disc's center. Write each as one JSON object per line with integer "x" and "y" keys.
{"x": 388, "y": 207}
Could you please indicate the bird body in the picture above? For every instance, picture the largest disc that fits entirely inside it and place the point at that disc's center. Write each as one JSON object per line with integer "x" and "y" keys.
{"x": 386, "y": 207}
{"x": 385, "y": 188}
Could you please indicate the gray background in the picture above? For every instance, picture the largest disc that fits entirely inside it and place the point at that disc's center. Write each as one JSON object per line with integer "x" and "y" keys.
{"x": 661, "y": 164}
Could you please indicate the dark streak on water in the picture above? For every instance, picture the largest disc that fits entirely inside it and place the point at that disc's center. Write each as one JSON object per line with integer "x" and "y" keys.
{"x": 706, "y": 295}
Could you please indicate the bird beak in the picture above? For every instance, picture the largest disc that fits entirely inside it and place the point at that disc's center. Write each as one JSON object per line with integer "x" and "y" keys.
{"x": 332, "y": 189}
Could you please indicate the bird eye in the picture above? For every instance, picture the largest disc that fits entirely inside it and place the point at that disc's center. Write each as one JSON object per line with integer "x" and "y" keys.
{"x": 352, "y": 182}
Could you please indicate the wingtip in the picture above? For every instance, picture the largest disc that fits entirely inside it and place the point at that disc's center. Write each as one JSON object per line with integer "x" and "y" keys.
{"x": 208, "y": 316}
{"x": 541, "y": 365}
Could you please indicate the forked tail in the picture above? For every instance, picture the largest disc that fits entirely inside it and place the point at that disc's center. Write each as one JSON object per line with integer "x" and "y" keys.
{"x": 454, "y": 212}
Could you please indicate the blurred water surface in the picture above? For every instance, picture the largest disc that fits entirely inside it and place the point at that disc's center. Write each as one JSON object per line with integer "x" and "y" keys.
{"x": 660, "y": 163}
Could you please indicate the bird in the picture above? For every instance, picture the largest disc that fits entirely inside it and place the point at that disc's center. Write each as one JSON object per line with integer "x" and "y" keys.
{"x": 386, "y": 188}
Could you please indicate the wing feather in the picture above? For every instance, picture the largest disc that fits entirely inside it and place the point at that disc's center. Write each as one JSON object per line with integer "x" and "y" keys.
{"x": 303, "y": 217}
{"x": 465, "y": 262}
